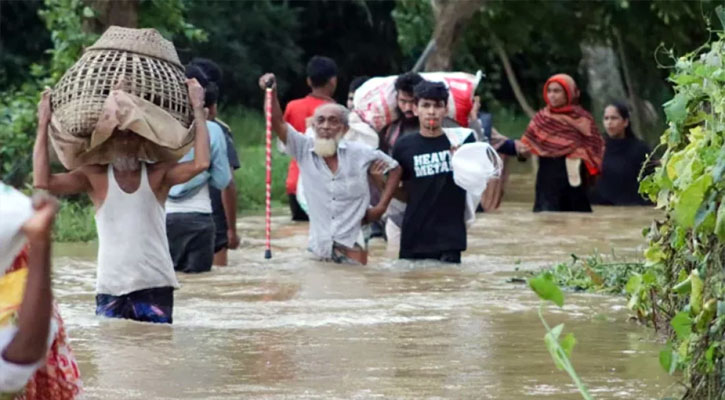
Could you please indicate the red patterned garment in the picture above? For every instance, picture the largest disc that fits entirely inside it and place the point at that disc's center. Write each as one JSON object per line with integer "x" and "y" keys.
{"x": 59, "y": 378}
{"x": 566, "y": 131}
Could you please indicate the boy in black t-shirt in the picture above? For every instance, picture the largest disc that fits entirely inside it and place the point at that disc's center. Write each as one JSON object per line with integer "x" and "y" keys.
{"x": 433, "y": 226}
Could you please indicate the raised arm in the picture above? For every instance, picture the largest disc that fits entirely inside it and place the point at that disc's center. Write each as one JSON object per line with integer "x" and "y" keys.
{"x": 65, "y": 183}
{"x": 31, "y": 340}
{"x": 278, "y": 124}
{"x": 182, "y": 172}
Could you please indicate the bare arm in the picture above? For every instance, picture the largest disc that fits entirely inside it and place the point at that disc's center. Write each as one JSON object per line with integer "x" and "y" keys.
{"x": 278, "y": 124}
{"x": 388, "y": 188}
{"x": 391, "y": 185}
{"x": 401, "y": 194}
{"x": 66, "y": 183}
{"x": 30, "y": 342}
{"x": 229, "y": 201}
{"x": 182, "y": 172}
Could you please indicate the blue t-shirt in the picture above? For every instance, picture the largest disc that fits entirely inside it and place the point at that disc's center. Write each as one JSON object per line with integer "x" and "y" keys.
{"x": 217, "y": 176}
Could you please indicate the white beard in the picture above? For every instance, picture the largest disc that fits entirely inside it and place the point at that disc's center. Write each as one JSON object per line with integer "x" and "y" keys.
{"x": 126, "y": 163}
{"x": 326, "y": 147}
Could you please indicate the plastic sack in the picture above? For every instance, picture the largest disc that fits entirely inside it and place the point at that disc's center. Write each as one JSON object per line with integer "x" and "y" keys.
{"x": 15, "y": 209}
{"x": 375, "y": 103}
{"x": 474, "y": 164}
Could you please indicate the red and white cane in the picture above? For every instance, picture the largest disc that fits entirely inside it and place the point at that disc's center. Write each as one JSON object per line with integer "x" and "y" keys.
{"x": 268, "y": 167}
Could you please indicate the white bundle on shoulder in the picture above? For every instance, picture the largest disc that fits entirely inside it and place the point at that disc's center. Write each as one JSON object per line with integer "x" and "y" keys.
{"x": 15, "y": 209}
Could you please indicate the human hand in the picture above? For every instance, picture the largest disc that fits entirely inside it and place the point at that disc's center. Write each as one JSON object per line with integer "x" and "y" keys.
{"x": 522, "y": 150}
{"x": 232, "y": 239}
{"x": 377, "y": 172}
{"x": 40, "y": 226}
{"x": 265, "y": 79}
{"x": 476, "y": 107}
{"x": 373, "y": 214}
{"x": 196, "y": 93}
{"x": 44, "y": 109}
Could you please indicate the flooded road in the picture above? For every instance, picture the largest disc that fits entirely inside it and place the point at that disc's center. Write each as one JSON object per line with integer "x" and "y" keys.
{"x": 293, "y": 328}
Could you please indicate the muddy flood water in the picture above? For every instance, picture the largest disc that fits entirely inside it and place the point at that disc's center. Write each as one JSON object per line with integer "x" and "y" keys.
{"x": 294, "y": 328}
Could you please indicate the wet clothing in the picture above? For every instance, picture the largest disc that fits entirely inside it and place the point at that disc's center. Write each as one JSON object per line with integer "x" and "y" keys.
{"x": 154, "y": 305}
{"x": 559, "y": 135}
{"x": 298, "y": 214}
{"x": 191, "y": 239}
{"x": 217, "y": 207}
{"x": 566, "y": 131}
{"x": 217, "y": 175}
{"x": 434, "y": 216}
{"x": 189, "y": 222}
{"x": 55, "y": 377}
{"x": 337, "y": 202}
{"x": 296, "y": 114}
{"x": 133, "y": 250}
{"x": 453, "y": 257}
{"x": 553, "y": 191}
{"x": 618, "y": 185}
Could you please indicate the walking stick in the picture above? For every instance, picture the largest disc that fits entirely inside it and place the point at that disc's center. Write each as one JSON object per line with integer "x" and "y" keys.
{"x": 268, "y": 167}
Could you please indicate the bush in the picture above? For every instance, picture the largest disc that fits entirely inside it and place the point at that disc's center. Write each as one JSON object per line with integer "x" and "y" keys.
{"x": 74, "y": 222}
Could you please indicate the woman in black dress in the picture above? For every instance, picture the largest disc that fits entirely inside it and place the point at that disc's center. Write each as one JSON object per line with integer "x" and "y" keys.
{"x": 623, "y": 160}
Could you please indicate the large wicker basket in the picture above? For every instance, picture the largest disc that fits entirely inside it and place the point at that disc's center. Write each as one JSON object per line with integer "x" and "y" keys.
{"x": 145, "y": 64}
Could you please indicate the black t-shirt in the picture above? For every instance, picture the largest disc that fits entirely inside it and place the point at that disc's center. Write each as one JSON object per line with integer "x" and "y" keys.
{"x": 433, "y": 221}
{"x": 215, "y": 194}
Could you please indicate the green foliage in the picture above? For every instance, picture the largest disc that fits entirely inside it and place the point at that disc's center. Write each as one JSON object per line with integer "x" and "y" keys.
{"x": 248, "y": 129}
{"x": 559, "y": 349}
{"x": 543, "y": 37}
{"x": 250, "y": 178}
{"x": 544, "y": 287}
{"x": 686, "y": 254}
{"x": 597, "y": 274}
{"x": 74, "y": 222}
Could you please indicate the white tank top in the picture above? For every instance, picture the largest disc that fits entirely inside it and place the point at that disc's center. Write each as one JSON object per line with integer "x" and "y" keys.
{"x": 133, "y": 250}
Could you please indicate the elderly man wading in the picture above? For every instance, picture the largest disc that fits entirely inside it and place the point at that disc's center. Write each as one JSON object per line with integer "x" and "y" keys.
{"x": 336, "y": 176}
{"x": 135, "y": 278}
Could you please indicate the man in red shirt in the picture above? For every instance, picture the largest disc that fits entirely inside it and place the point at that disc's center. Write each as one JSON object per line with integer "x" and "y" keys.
{"x": 322, "y": 79}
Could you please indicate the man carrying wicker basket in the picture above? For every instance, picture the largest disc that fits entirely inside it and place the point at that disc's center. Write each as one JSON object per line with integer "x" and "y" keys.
{"x": 121, "y": 148}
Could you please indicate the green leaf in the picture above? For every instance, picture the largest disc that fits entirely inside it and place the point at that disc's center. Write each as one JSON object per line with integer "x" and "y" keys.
{"x": 668, "y": 359}
{"x": 88, "y": 12}
{"x": 552, "y": 343}
{"x": 720, "y": 224}
{"x": 676, "y": 108}
{"x": 690, "y": 199}
{"x": 682, "y": 324}
{"x": 696, "y": 293}
{"x": 720, "y": 15}
{"x": 546, "y": 289}
{"x": 567, "y": 344}
{"x": 683, "y": 287}
{"x": 710, "y": 356}
{"x": 634, "y": 284}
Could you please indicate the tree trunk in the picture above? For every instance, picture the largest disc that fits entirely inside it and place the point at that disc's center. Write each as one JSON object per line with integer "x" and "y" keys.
{"x": 511, "y": 76}
{"x": 643, "y": 116}
{"x": 450, "y": 16}
{"x": 605, "y": 81}
{"x": 117, "y": 12}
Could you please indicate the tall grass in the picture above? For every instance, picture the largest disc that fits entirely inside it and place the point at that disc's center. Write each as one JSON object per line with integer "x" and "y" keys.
{"x": 74, "y": 222}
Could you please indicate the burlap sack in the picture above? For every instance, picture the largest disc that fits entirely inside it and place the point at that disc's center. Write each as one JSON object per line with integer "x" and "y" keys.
{"x": 153, "y": 100}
